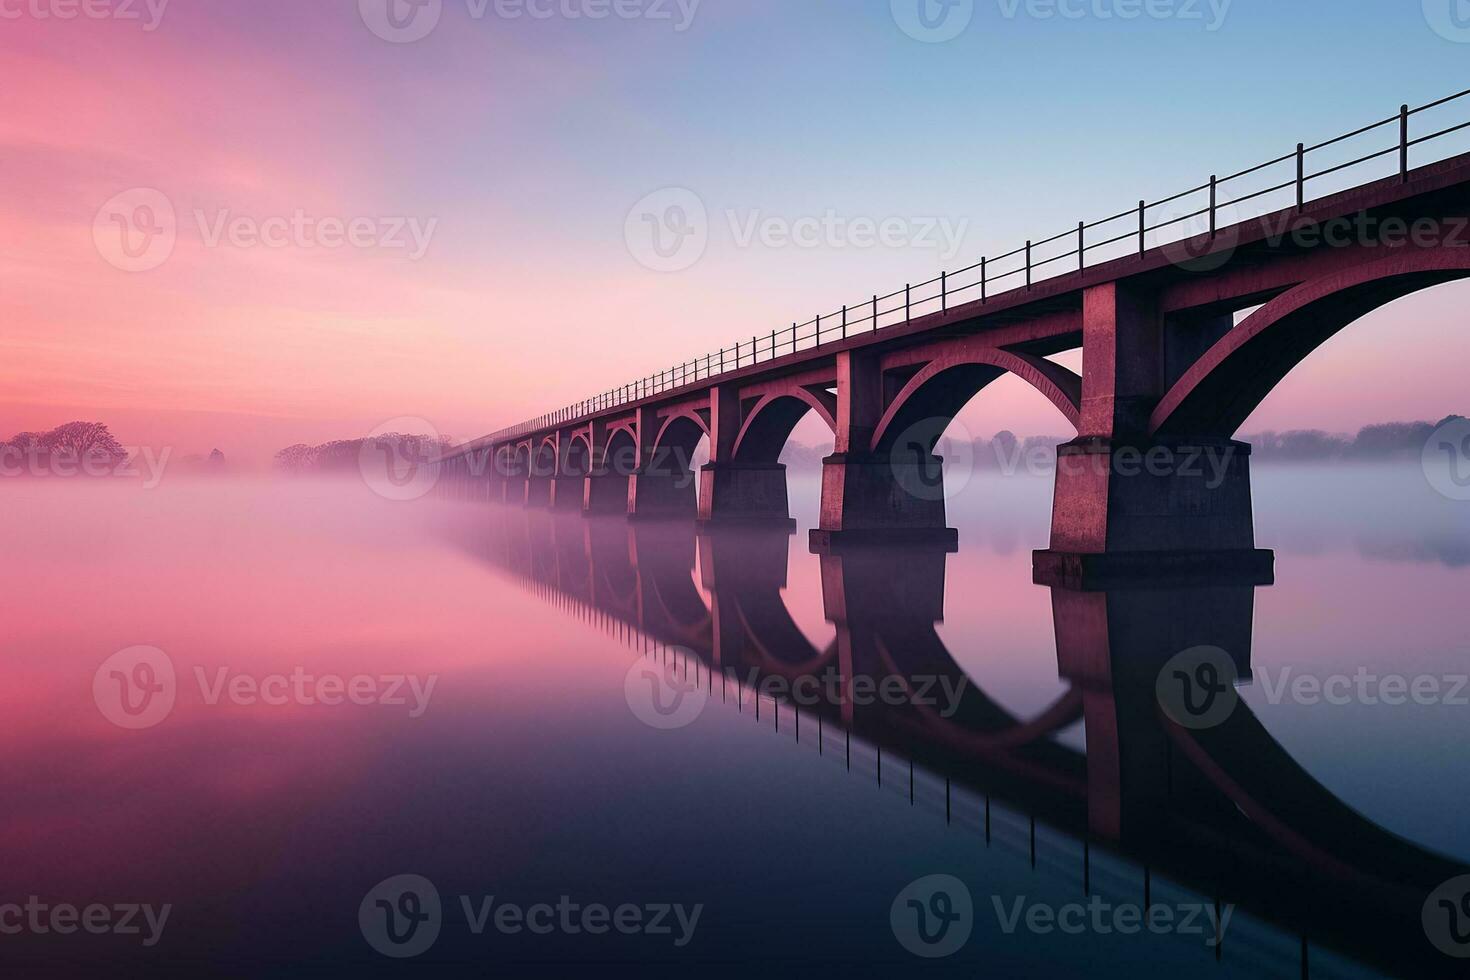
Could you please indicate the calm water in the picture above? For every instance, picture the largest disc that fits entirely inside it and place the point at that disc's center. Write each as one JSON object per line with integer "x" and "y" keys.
{"x": 571, "y": 713}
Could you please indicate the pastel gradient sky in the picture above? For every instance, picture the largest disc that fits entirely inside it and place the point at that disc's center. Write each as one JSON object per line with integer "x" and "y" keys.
{"x": 527, "y": 142}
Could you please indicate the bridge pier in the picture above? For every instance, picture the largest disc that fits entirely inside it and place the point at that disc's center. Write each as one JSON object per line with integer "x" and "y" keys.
{"x": 605, "y": 493}
{"x": 1122, "y": 510}
{"x": 567, "y": 492}
{"x": 482, "y": 484}
{"x": 484, "y": 489}
{"x": 736, "y": 490}
{"x": 513, "y": 488}
{"x": 657, "y": 493}
{"x": 744, "y": 493}
{"x": 876, "y": 497}
{"x": 869, "y": 499}
{"x": 1129, "y": 502}
{"x": 538, "y": 491}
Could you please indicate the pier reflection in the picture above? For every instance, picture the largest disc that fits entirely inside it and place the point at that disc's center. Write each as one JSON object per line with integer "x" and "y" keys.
{"x": 1221, "y": 809}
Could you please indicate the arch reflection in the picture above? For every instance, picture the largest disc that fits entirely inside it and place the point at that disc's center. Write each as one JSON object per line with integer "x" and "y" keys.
{"x": 1224, "y": 810}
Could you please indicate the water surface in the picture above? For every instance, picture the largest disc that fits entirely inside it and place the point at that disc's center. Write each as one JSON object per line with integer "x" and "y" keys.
{"x": 520, "y": 735}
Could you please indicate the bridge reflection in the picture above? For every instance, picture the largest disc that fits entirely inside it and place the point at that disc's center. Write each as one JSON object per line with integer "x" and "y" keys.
{"x": 1224, "y": 811}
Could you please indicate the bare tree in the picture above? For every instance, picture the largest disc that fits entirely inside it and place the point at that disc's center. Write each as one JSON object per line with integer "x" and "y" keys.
{"x": 83, "y": 440}
{"x": 296, "y": 459}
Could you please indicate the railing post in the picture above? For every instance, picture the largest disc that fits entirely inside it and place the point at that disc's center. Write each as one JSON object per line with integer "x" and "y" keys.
{"x": 754, "y": 352}
{"x": 907, "y": 306}
{"x": 773, "y": 345}
{"x": 1404, "y": 144}
{"x": 819, "y": 329}
{"x": 1301, "y": 175}
{"x": 1142, "y": 228}
{"x": 1028, "y": 266}
{"x": 944, "y": 292}
{"x": 793, "y": 339}
{"x": 983, "y": 297}
{"x": 1081, "y": 246}
{"x": 844, "y": 323}
{"x": 1214, "y": 188}
{"x": 875, "y": 312}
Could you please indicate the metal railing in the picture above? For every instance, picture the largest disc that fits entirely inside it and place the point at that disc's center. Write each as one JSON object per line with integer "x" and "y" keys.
{"x": 1017, "y": 270}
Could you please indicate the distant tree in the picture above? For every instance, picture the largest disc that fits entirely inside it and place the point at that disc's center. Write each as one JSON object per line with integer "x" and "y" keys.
{"x": 83, "y": 440}
{"x": 344, "y": 455}
{"x": 1004, "y": 447}
{"x": 1311, "y": 445}
{"x": 295, "y": 459}
{"x": 1391, "y": 439}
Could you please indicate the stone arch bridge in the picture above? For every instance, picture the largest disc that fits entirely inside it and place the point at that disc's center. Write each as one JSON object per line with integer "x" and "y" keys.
{"x": 1179, "y": 341}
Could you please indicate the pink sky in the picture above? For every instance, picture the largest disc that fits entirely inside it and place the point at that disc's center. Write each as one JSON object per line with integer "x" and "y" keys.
{"x": 526, "y": 298}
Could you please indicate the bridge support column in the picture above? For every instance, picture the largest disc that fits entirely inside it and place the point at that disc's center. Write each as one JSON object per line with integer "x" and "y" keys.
{"x": 744, "y": 493}
{"x": 870, "y": 498}
{"x": 605, "y": 493}
{"x": 513, "y": 488}
{"x": 1122, "y": 510}
{"x": 567, "y": 492}
{"x": 486, "y": 483}
{"x": 538, "y": 491}
{"x": 657, "y": 492}
{"x": 488, "y": 488}
{"x": 1130, "y": 504}
{"x": 663, "y": 485}
{"x": 735, "y": 491}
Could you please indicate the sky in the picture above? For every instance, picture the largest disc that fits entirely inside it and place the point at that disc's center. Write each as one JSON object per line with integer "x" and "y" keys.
{"x": 335, "y": 223}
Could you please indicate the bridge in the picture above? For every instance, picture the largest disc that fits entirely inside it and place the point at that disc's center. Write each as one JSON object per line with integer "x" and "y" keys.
{"x": 1185, "y": 317}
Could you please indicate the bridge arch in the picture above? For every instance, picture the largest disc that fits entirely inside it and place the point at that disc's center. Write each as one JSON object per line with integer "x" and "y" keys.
{"x": 620, "y": 455}
{"x": 578, "y": 459}
{"x": 774, "y": 417}
{"x": 543, "y": 464}
{"x": 1219, "y": 392}
{"x": 677, "y": 441}
{"x": 521, "y": 465}
{"x": 947, "y": 383}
